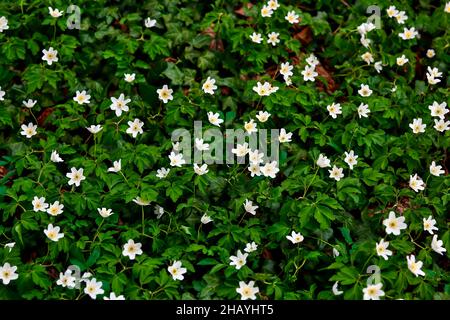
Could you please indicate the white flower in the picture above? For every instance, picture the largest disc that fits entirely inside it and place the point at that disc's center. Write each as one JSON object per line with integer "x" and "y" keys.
{"x": 365, "y": 27}
{"x": 286, "y": 69}
{"x": 209, "y": 85}
{"x": 119, "y": 105}
{"x": 176, "y": 270}
{"x": 336, "y": 173}
{"x": 312, "y": 60}
{"x": 447, "y": 7}
{"x": 273, "y": 38}
{"x": 393, "y": 224}
{"x": 250, "y": 126}
{"x": 402, "y": 60}
{"x": 199, "y": 145}
{"x": 247, "y": 291}
{"x": 75, "y": 176}
{"x": 392, "y": 11}
{"x": 249, "y": 207}
{"x": 335, "y": 253}
{"x": 256, "y": 37}
{"x": 165, "y": 94}
{"x": 112, "y": 296}
{"x": 254, "y": 169}
{"x": 382, "y": 249}
{"x": 95, "y": 129}
{"x": 292, "y": 17}
{"x": 438, "y": 110}
{"x": 39, "y": 204}
{"x": 270, "y": 169}
{"x": 408, "y": 34}
{"x": 55, "y": 209}
{"x": 429, "y": 224}
{"x": 323, "y": 161}
{"x": 309, "y": 74}
{"x": 29, "y": 130}
{"x": 55, "y": 13}
{"x": 105, "y": 213}
{"x": 130, "y": 77}
{"x": 415, "y": 267}
{"x": 8, "y": 272}
{"x": 135, "y": 127}
{"x": 273, "y": 4}
{"x": 394, "y": 88}
{"x": 141, "y": 202}
{"x": 287, "y": 80}
{"x": 378, "y": 66}
{"x": 284, "y": 136}
{"x": 117, "y": 166}
{"x": 53, "y": 233}
{"x": 295, "y": 237}
{"x": 250, "y": 247}
{"x": 436, "y": 245}
{"x": 263, "y": 116}
{"x": 430, "y": 53}
{"x": 205, "y": 219}
{"x": 255, "y": 157}
{"x": 10, "y": 245}
{"x": 416, "y": 183}
{"x": 350, "y": 159}
{"x": 434, "y": 72}
{"x": 334, "y": 110}
{"x": 159, "y": 211}
{"x": 401, "y": 17}
{"x": 66, "y": 280}
{"x": 50, "y": 56}
{"x": 363, "y": 110}
{"x": 55, "y": 157}
{"x": 263, "y": 89}
{"x": 131, "y": 249}
{"x": 29, "y": 104}
{"x": 335, "y": 289}
{"x": 441, "y": 125}
{"x": 93, "y": 288}
{"x": 241, "y": 150}
{"x": 417, "y": 126}
{"x": 365, "y": 91}
{"x": 266, "y": 12}
{"x": 432, "y": 79}
{"x": 373, "y": 292}
{"x": 201, "y": 170}
{"x": 3, "y": 24}
{"x": 176, "y": 160}
{"x": 214, "y": 118}
{"x": 365, "y": 41}
{"x": 162, "y": 173}
{"x": 436, "y": 170}
{"x": 82, "y": 97}
{"x": 367, "y": 57}
{"x": 149, "y": 23}
{"x": 239, "y": 260}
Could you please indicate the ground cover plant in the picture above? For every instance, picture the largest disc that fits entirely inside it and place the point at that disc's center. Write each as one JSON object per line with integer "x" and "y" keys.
{"x": 97, "y": 200}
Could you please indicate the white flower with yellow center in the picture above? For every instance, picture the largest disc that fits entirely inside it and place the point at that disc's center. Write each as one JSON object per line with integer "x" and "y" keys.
{"x": 363, "y": 110}
{"x": 270, "y": 169}
{"x": 266, "y": 12}
{"x": 93, "y": 288}
{"x": 336, "y": 173}
{"x": 209, "y": 85}
{"x": 55, "y": 157}
{"x": 292, "y": 17}
{"x": 295, "y": 237}
{"x": 393, "y": 224}
{"x": 55, "y": 13}
{"x": 256, "y": 37}
{"x": 82, "y": 97}
{"x": 55, "y": 209}
{"x": 415, "y": 266}
{"x": 417, "y": 126}
{"x": 250, "y": 247}
{"x": 176, "y": 270}
{"x": 309, "y": 74}
{"x": 75, "y": 176}
{"x": 255, "y": 156}
{"x": 254, "y": 169}
{"x": 201, "y": 170}
{"x": 441, "y": 125}
{"x": 250, "y": 126}
{"x": 247, "y": 291}
{"x": 416, "y": 183}
{"x": 438, "y": 109}
{"x": 205, "y": 219}
{"x": 176, "y": 159}
{"x": 66, "y": 280}
{"x": 239, "y": 260}
{"x": 162, "y": 173}
{"x": 39, "y": 204}
{"x": 94, "y": 129}
{"x": 365, "y": 91}
{"x": 437, "y": 245}
{"x": 263, "y": 116}
{"x": 28, "y": 131}
{"x": 249, "y": 207}
{"x": 430, "y": 53}
{"x": 373, "y": 292}
{"x": 402, "y": 60}
{"x": 3, "y": 24}
{"x": 382, "y": 249}
{"x": 350, "y": 159}
{"x": 334, "y": 109}
{"x": 214, "y": 118}
{"x": 53, "y": 233}
{"x": 401, "y": 17}
{"x": 50, "y": 55}
{"x": 286, "y": 69}
{"x": 8, "y": 273}
{"x": 368, "y": 57}
{"x": 165, "y": 94}
{"x": 408, "y": 34}
{"x": 391, "y": 11}
{"x": 129, "y": 77}
{"x": 436, "y": 170}
{"x": 241, "y": 150}
{"x": 105, "y": 213}
{"x": 200, "y": 145}
{"x": 119, "y": 105}
{"x": 323, "y": 161}
{"x": 117, "y": 166}
{"x": 132, "y": 249}
{"x": 273, "y": 38}
{"x": 284, "y": 136}
{"x": 30, "y": 103}
{"x": 429, "y": 224}
{"x": 135, "y": 127}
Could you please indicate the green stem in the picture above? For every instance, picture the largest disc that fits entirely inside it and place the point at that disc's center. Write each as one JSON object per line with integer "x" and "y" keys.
{"x": 97, "y": 233}
{"x": 142, "y": 217}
